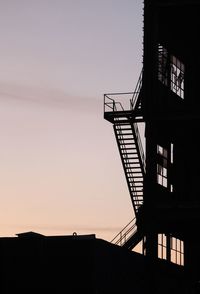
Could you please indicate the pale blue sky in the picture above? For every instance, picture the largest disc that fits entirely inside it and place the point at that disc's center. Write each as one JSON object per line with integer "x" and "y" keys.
{"x": 60, "y": 169}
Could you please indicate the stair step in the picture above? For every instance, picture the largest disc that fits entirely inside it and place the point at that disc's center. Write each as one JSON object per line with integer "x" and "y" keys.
{"x": 132, "y": 187}
{"x": 132, "y": 165}
{"x": 135, "y": 160}
{"x": 127, "y": 161}
{"x": 117, "y": 123}
{"x": 138, "y": 182}
{"x": 126, "y": 129}
{"x": 122, "y": 142}
{"x": 137, "y": 186}
{"x": 128, "y": 144}
{"x": 135, "y": 169}
{"x": 136, "y": 176}
{"x": 136, "y": 157}
{"x": 128, "y": 148}
{"x": 127, "y": 139}
{"x": 131, "y": 171}
{"x": 130, "y": 158}
{"x": 127, "y": 134}
{"x": 132, "y": 153}
{"x": 131, "y": 176}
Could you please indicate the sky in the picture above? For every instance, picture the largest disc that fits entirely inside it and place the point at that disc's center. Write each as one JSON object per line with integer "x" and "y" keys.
{"x": 60, "y": 170}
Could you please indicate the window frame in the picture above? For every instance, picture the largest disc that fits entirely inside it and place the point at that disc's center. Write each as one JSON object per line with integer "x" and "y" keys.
{"x": 171, "y": 71}
{"x": 171, "y": 249}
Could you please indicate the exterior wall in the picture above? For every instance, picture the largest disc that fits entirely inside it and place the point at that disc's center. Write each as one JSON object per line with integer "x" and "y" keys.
{"x": 172, "y": 119}
{"x": 82, "y": 264}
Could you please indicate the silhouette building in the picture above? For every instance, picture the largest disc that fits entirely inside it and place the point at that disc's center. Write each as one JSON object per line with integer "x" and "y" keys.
{"x": 34, "y": 263}
{"x": 163, "y": 174}
{"x": 161, "y": 171}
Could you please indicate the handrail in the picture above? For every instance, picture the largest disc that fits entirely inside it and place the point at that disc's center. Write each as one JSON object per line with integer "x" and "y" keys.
{"x": 126, "y": 233}
{"x": 112, "y": 104}
{"x": 136, "y": 93}
{"x": 120, "y": 93}
{"x": 141, "y": 150}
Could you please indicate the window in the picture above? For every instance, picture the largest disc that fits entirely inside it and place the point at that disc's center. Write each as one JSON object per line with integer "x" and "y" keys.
{"x": 171, "y": 249}
{"x": 176, "y": 251}
{"x": 165, "y": 159}
{"x": 162, "y": 166}
{"x": 177, "y": 76}
{"x": 172, "y": 153}
{"x": 162, "y": 246}
{"x": 171, "y": 71}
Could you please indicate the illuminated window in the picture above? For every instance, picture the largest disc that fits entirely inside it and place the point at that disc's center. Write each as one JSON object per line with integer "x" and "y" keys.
{"x": 171, "y": 71}
{"x": 176, "y": 251}
{"x": 162, "y": 246}
{"x": 171, "y": 249}
{"x": 162, "y": 166}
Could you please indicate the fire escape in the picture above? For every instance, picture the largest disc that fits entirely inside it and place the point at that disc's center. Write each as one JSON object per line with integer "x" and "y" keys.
{"x": 126, "y": 130}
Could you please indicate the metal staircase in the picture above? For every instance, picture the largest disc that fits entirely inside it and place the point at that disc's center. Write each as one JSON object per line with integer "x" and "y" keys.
{"x": 131, "y": 152}
{"x": 132, "y": 156}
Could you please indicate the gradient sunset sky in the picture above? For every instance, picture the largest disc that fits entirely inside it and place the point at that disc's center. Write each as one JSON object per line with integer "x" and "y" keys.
{"x": 60, "y": 170}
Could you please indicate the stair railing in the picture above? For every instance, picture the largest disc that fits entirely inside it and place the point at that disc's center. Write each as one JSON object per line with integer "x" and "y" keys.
{"x": 125, "y": 234}
{"x": 111, "y": 104}
{"x": 136, "y": 93}
{"x": 140, "y": 147}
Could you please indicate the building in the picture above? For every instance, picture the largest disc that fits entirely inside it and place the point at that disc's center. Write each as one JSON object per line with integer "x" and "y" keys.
{"x": 164, "y": 183}
{"x": 34, "y": 263}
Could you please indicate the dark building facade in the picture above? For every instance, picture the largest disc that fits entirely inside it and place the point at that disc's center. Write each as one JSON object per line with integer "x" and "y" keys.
{"x": 171, "y": 113}
{"x": 163, "y": 180}
{"x": 34, "y": 263}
